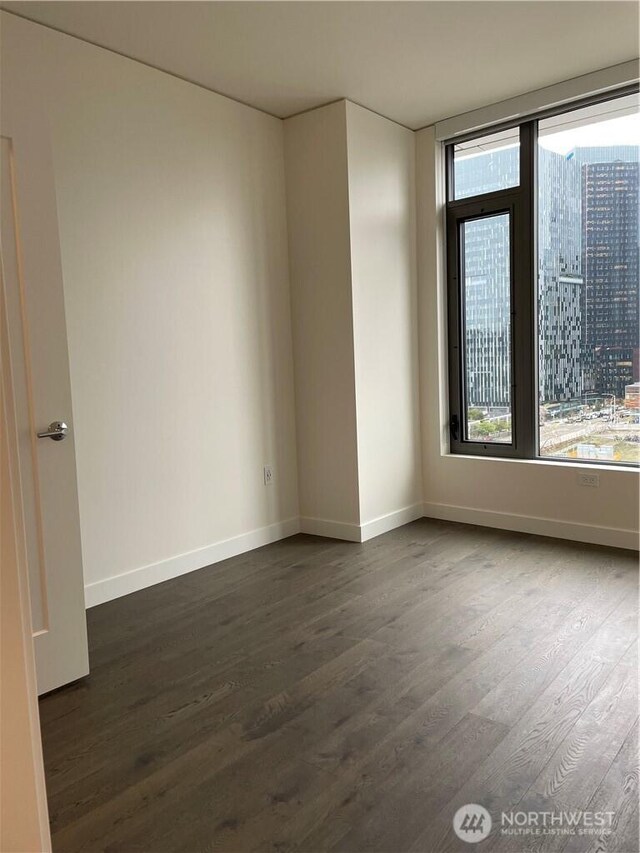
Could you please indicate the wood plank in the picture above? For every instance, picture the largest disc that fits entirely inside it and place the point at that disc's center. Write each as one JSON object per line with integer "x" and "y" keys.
{"x": 618, "y": 793}
{"x": 568, "y": 782}
{"x": 503, "y": 780}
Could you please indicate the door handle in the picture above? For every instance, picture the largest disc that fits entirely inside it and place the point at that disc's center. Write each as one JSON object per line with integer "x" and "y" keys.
{"x": 454, "y": 427}
{"x": 56, "y": 432}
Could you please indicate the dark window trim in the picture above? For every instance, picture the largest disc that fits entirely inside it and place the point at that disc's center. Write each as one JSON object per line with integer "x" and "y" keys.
{"x": 540, "y": 115}
{"x": 455, "y": 223}
{"x": 521, "y": 203}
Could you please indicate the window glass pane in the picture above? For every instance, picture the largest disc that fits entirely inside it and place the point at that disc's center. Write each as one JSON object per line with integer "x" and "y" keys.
{"x": 487, "y": 164}
{"x": 487, "y": 328}
{"x": 589, "y": 391}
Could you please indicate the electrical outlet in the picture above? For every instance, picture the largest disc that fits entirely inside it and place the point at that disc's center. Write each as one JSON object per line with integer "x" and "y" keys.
{"x": 589, "y": 479}
{"x": 268, "y": 475}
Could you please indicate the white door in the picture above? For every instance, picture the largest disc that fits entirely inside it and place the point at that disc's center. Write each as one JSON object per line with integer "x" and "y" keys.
{"x": 35, "y": 356}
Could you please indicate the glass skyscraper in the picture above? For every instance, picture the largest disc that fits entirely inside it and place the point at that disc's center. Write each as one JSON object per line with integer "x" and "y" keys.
{"x": 610, "y": 264}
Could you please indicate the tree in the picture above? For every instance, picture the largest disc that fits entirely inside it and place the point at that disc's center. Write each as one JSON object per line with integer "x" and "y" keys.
{"x": 475, "y": 414}
{"x": 485, "y": 427}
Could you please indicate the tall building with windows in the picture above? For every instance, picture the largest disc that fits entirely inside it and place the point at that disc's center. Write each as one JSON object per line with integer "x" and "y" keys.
{"x": 487, "y": 311}
{"x": 610, "y": 185}
{"x": 560, "y": 280}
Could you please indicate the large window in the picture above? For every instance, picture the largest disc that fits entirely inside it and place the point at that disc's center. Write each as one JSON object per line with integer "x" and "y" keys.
{"x": 542, "y": 256}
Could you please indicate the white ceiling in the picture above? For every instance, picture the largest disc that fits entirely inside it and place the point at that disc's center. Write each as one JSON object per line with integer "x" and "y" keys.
{"x": 415, "y": 62}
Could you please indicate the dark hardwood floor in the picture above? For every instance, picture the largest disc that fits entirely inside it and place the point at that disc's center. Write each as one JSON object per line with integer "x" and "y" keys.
{"x": 317, "y": 695}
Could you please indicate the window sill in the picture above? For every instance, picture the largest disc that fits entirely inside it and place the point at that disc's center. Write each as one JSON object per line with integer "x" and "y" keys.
{"x": 550, "y": 463}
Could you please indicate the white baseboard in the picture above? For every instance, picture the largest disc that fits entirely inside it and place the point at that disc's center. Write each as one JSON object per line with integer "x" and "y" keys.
{"x": 136, "y": 579}
{"x": 331, "y": 529}
{"x": 132, "y": 581}
{"x": 575, "y": 531}
{"x": 390, "y": 521}
{"x": 352, "y": 532}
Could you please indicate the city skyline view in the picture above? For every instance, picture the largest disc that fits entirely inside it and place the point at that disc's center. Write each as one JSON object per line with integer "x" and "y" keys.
{"x": 588, "y": 295}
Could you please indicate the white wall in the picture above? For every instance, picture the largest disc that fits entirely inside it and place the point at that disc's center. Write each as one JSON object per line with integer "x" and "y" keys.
{"x": 171, "y": 205}
{"x": 381, "y": 158}
{"x": 538, "y": 497}
{"x": 351, "y": 215}
{"x": 320, "y": 264}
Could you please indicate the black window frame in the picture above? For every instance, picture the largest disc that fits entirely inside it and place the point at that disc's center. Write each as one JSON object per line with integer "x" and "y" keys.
{"x": 521, "y": 203}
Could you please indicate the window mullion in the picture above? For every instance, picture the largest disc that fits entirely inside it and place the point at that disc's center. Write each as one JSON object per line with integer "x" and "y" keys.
{"x": 524, "y": 297}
